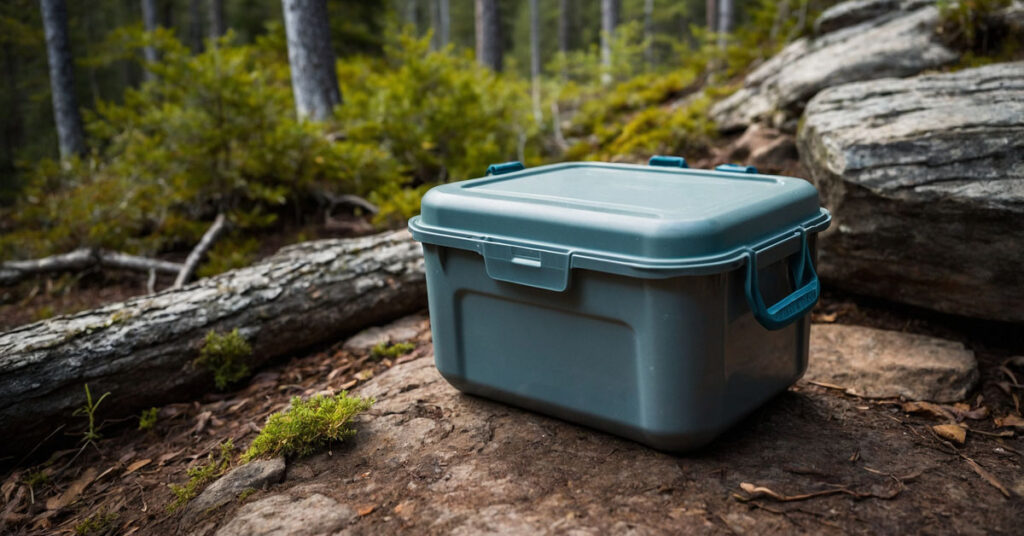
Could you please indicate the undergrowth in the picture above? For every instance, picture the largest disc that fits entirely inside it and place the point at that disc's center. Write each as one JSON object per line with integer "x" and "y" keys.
{"x": 147, "y": 420}
{"x": 224, "y": 355}
{"x": 201, "y": 475}
{"x": 88, "y": 410}
{"x": 307, "y": 426}
{"x": 383, "y": 349}
{"x": 98, "y": 524}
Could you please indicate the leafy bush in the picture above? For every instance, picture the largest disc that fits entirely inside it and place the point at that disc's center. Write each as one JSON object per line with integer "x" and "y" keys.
{"x": 438, "y": 114}
{"x": 307, "y": 426}
{"x": 225, "y": 355}
{"x": 213, "y": 132}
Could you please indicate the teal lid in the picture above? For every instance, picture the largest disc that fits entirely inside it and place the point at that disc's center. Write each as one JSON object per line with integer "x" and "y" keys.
{"x": 647, "y": 221}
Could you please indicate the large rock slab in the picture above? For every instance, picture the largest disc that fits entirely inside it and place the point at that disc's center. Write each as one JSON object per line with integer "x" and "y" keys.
{"x": 253, "y": 475}
{"x": 893, "y": 43}
{"x": 925, "y": 180}
{"x": 429, "y": 460}
{"x": 878, "y": 363}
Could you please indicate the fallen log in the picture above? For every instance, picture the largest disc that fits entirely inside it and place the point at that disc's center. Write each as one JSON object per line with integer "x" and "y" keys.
{"x": 12, "y": 272}
{"x": 142, "y": 350}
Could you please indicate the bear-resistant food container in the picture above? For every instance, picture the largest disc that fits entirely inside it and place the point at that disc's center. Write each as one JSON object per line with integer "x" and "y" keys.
{"x": 657, "y": 302}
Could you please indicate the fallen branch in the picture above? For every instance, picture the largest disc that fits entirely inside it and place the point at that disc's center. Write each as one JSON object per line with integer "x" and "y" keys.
{"x": 11, "y": 272}
{"x": 349, "y": 200}
{"x": 205, "y": 243}
{"x": 758, "y": 492}
{"x": 142, "y": 350}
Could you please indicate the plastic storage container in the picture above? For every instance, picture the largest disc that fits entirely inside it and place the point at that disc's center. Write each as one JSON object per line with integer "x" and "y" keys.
{"x": 632, "y": 299}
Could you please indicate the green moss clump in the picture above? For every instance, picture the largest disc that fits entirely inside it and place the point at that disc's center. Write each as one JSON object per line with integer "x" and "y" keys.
{"x": 246, "y": 493}
{"x": 224, "y": 355}
{"x": 307, "y": 426}
{"x": 148, "y": 419}
{"x": 382, "y": 350}
{"x": 201, "y": 475}
{"x": 96, "y": 524}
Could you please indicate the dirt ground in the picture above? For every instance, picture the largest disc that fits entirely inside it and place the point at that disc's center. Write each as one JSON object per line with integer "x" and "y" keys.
{"x": 870, "y": 467}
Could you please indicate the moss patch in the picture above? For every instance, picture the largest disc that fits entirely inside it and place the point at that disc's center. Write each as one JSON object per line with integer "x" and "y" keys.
{"x": 224, "y": 355}
{"x": 307, "y": 426}
{"x": 201, "y": 475}
{"x": 382, "y": 350}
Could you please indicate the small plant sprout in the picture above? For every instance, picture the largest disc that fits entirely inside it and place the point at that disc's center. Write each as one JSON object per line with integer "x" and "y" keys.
{"x": 224, "y": 355}
{"x": 148, "y": 419}
{"x": 382, "y": 350}
{"x": 35, "y": 480}
{"x": 201, "y": 475}
{"x": 88, "y": 409}
{"x": 307, "y": 426}
{"x": 97, "y": 524}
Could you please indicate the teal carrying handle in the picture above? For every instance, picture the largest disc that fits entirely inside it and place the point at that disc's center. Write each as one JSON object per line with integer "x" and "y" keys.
{"x": 667, "y": 161}
{"x": 792, "y": 307}
{"x": 505, "y": 167}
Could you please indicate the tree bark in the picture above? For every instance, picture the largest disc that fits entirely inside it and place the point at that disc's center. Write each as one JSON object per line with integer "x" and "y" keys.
{"x": 409, "y": 14}
{"x": 711, "y": 15}
{"x": 649, "y": 33}
{"x": 488, "y": 34}
{"x": 142, "y": 350}
{"x": 314, "y": 78}
{"x": 445, "y": 28}
{"x": 563, "y": 31}
{"x": 68, "y": 118}
{"x": 216, "y": 18}
{"x": 149, "y": 23}
{"x": 538, "y": 116}
{"x": 724, "y": 21}
{"x": 195, "y": 26}
{"x": 609, "y": 20}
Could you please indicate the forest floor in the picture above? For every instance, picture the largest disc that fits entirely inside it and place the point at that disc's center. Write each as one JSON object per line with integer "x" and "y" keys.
{"x": 806, "y": 438}
{"x": 801, "y": 433}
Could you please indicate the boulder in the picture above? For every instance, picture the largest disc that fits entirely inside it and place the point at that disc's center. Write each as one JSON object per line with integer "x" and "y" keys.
{"x": 896, "y": 43}
{"x": 767, "y": 149}
{"x": 925, "y": 180}
{"x": 253, "y": 475}
{"x": 847, "y": 14}
{"x": 877, "y": 363}
{"x": 295, "y": 516}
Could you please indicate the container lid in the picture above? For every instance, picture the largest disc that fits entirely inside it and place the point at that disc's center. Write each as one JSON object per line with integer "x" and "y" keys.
{"x": 533, "y": 225}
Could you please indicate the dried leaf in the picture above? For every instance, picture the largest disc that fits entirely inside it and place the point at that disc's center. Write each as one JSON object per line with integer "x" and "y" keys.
{"x": 366, "y": 510}
{"x": 952, "y": 432}
{"x": 74, "y": 490}
{"x": 136, "y": 466}
{"x": 201, "y": 421}
{"x": 168, "y": 457}
{"x": 1009, "y": 421}
{"x": 364, "y": 374}
{"x": 928, "y": 407}
{"x": 989, "y": 477}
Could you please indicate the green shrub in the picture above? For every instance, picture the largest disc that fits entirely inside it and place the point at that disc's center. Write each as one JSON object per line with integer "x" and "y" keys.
{"x": 148, "y": 418}
{"x": 307, "y": 426}
{"x": 224, "y": 355}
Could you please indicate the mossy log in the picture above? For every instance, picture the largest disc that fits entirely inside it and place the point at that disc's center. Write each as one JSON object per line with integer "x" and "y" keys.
{"x": 142, "y": 350}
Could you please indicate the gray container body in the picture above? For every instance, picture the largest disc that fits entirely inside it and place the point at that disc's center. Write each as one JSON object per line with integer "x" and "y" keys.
{"x": 666, "y": 355}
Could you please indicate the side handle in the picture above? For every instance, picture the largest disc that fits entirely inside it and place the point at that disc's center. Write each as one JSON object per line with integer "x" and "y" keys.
{"x": 793, "y": 306}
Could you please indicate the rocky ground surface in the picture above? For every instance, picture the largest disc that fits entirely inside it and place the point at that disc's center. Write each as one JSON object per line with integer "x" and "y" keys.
{"x": 427, "y": 459}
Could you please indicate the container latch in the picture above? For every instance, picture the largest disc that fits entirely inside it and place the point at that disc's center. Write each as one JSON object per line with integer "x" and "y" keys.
{"x": 736, "y": 168}
{"x": 540, "y": 268}
{"x": 792, "y": 307}
{"x": 505, "y": 167}
{"x": 668, "y": 161}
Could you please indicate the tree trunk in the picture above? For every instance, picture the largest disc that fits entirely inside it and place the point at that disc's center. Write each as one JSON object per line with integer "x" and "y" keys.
{"x": 195, "y": 26}
{"x": 563, "y": 34}
{"x": 711, "y": 15}
{"x": 488, "y": 34}
{"x": 149, "y": 23}
{"x": 444, "y": 22}
{"x": 609, "y": 20}
{"x": 409, "y": 14}
{"x": 70, "y": 135}
{"x": 535, "y": 60}
{"x": 142, "y": 350}
{"x": 724, "y": 21}
{"x": 216, "y": 18}
{"x": 314, "y": 78}
{"x": 649, "y": 33}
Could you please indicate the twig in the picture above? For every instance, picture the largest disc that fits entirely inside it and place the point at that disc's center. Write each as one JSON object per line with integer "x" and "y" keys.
{"x": 987, "y": 476}
{"x": 11, "y": 272}
{"x": 756, "y": 492}
{"x": 353, "y": 201}
{"x": 192, "y": 261}
{"x": 151, "y": 282}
